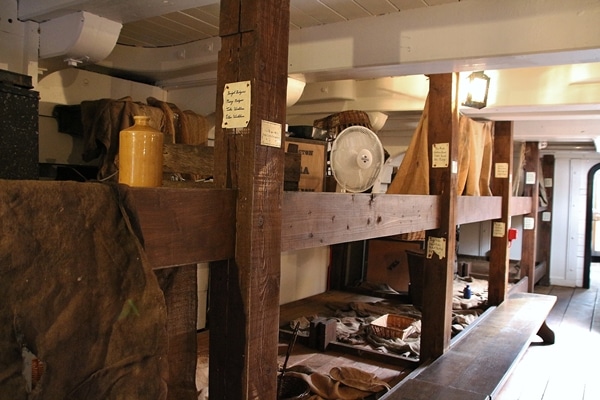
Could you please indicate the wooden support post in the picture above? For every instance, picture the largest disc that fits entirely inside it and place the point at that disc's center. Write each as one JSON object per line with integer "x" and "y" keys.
{"x": 501, "y": 185}
{"x": 545, "y": 222}
{"x": 244, "y": 317}
{"x": 530, "y": 221}
{"x": 440, "y": 243}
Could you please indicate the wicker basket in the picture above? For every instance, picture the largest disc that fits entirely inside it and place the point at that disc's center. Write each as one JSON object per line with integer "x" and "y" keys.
{"x": 391, "y": 326}
{"x": 335, "y": 123}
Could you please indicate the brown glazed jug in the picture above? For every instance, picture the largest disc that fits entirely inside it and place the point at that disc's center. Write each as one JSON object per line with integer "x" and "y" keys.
{"x": 141, "y": 154}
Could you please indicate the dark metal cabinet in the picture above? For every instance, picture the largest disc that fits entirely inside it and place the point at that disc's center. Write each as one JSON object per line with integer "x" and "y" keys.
{"x": 18, "y": 127}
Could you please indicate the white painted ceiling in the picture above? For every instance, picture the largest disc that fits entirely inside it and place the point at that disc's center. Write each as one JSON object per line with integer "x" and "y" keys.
{"x": 166, "y": 24}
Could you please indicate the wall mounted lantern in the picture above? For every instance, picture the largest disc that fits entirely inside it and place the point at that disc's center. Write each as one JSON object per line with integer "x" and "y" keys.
{"x": 477, "y": 92}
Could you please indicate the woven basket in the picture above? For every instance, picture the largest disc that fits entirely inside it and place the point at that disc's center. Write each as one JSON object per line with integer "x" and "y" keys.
{"x": 391, "y": 326}
{"x": 335, "y": 123}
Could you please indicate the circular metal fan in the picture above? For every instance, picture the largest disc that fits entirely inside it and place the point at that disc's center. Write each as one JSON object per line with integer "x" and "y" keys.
{"x": 356, "y": 158}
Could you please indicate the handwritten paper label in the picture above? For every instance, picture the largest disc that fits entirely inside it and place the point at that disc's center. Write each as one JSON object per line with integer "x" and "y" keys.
{"x": 440, "y": 155}
{"x": 236, "y": 105}
{"x": 528, "y": 223}
{"x": 437, "y": 246}
{"x": 529, "y": 178}
{"x": 270, "y": 134}
{"x": 548, "y": 182}
{"x": 498, "y": 229}
{"x": 501, "y": 170}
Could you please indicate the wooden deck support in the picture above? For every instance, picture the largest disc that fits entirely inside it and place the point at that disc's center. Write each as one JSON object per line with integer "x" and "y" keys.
{"x": 530, "y": 220}
{"x": 545, "y": 224}
{"x": 501, "y": 186}
{"x": 440, "y": 242}
{"x": 245, "y": 290}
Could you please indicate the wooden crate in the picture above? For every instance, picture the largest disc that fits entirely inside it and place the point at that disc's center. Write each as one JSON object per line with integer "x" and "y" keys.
{"x": 313, "y": 162}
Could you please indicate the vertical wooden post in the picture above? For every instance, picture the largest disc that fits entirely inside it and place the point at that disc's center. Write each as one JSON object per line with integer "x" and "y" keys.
{"x": 501, "y": 185}
{"x": 530, "y": 221}
{"x": 440, "y": 243}
{"x": 545, "y": 224}
{"x": 244, "y": 317}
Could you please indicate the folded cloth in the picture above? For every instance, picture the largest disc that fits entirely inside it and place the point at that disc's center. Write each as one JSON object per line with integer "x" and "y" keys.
{"x": 344, "y": 383}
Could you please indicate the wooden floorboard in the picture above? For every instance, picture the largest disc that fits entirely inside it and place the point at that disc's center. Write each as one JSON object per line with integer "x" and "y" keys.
{"x": 567, "y": 369}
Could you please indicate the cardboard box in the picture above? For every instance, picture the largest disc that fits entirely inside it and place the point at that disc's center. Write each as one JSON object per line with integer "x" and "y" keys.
{"x": 313, "y": 162}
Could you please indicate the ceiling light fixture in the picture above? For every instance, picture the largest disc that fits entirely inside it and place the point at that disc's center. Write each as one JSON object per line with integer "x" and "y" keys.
{"x": 477, "y": 91}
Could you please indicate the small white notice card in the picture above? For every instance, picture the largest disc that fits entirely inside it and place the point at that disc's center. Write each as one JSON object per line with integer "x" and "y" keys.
{"x": 501, "y": 170}
{"x": 546, "y": 216}
{"x": 528, "y": 223}
{"x": 440, "y": 154}
{"x": 236, "y": 105}
{"x": 548, "y": 182}
{"x": 498, "y": 229}
{"x": 530, "y": 178}
{"x": 437, "y": 246}
{"x": 270, "y": 134}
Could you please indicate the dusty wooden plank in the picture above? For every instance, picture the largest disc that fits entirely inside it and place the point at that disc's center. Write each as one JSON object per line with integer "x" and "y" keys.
{"x": 477, "y": 208}
{"x": 319, "y": 219}
{"x": 200, "y": 160}
{"x": 529, "y": 240}
{"x": 501, "y": 185}
{"x": 188, "y": 159}
{"x": 183, "y": 226}
{"x": 244, "y": 331}
{"x": 442, "y": 131}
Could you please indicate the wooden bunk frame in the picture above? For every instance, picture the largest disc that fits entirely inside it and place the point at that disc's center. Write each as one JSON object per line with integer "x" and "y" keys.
{"x": 244, "y": 224}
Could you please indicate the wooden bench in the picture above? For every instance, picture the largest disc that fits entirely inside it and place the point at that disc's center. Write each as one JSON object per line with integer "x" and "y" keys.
{"x": 478, "y": 362}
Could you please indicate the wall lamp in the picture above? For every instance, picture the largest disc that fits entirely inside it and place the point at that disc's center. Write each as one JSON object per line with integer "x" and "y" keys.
{"x": 477, "y": 91}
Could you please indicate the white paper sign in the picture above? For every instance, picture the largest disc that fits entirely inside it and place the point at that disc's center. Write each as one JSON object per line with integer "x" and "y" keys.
{"x": 548, "y": 182}
{"x": 236, "y": 105}
{"x": 528, "y": 223}
{"x": 530, "y": 178}
{"x": 270, "y": 134}
{"x": 546, "y": 216}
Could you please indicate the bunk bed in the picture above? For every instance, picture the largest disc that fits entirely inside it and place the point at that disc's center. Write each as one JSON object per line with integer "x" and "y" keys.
{"x": 184, "y": 226}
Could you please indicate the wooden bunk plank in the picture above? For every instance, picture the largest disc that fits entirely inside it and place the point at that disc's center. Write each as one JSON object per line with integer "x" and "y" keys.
{"x": 185, "y": 226}
{"x": 320, "y": 219}
{"x": 478, "y": 364}
{"x": 477, "y": 208}
{"x": 520, "y": 205}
